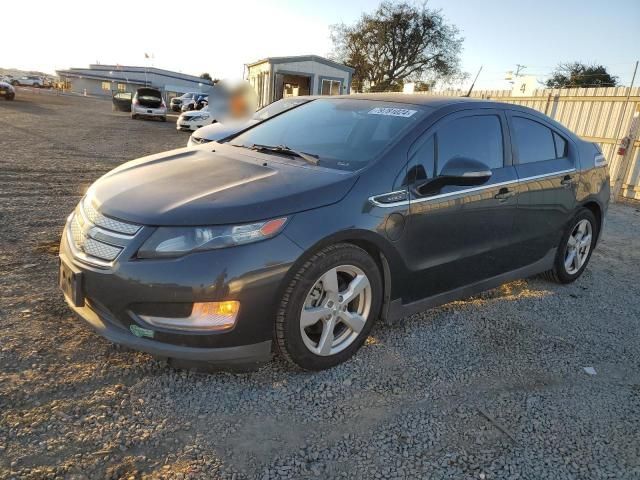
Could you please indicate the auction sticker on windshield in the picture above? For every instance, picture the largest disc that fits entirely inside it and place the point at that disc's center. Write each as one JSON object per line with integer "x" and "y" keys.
{"x": 393, "y": 112}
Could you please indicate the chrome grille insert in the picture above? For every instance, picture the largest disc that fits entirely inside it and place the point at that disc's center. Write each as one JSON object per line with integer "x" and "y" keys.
{"x": 99, "y": 219}
{"x": 95, "y": 238}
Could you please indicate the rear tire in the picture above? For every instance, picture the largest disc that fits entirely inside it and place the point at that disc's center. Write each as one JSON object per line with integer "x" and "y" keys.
{"x": 575, "y": 248}
{"x": 329, "y": 307}
{"x": 134, "y": 117}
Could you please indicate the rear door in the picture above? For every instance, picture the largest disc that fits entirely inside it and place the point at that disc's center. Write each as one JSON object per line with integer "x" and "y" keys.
{"x": 546, "y": 162}
{"x": 460, "y": 235}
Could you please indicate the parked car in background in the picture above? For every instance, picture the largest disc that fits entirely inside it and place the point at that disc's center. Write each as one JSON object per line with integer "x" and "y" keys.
{"x": 194, "y": 119}
{"x": 7, "y": 91}
{"x": 148, "y": 102}
{"x": 196, "y": 103}
{"x": 177, "y": 102}
{"x": 218, "y": 131}
{"x": 305, "y": 229}
{"x": 28, "y": 81}
{"x": 121, "y": 101}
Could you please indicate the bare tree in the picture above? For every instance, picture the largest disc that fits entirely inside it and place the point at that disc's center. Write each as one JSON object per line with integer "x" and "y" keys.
{"x": 398, "y": 42}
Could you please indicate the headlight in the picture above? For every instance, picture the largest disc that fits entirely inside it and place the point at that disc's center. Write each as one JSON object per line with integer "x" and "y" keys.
{"x": 177, "y": 241}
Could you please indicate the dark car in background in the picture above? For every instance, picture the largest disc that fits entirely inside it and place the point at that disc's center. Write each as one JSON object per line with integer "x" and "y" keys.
{"x": 7, "y": 91}
{"x": 121, "y": 101}
{"x": 177, "y": 102}
{"x": 301, "y": 231}
{"x": 148, "y": 103}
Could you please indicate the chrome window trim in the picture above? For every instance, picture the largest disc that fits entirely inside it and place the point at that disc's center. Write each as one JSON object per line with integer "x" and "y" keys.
{"x": 373, "y": 200}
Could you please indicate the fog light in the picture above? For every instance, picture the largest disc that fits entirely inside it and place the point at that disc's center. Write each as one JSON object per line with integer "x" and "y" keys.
{"x": 211, "y": 316}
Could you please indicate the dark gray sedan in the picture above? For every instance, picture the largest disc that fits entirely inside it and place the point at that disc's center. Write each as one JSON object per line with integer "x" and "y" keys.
{"x": 299, "y": 233}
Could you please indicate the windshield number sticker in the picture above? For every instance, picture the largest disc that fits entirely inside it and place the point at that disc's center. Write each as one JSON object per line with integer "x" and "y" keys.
{"x": 392, "y": 112}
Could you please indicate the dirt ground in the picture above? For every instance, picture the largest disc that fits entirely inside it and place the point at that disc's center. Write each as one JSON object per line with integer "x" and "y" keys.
{"x": 489, "y": 387}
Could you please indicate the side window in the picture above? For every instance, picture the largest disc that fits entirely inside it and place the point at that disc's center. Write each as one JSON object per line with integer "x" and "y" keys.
{"x": 561, "y": 145}
{"x": 422, "y": 159}
{"x": 537, "y": 142}
{"x": 477, "y": 137}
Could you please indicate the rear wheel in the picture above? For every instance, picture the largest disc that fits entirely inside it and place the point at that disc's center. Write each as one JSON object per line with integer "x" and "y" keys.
{"x": 134, "y": 116}
{"x": 575, "y": 248}
{"x": 329, "y": 307}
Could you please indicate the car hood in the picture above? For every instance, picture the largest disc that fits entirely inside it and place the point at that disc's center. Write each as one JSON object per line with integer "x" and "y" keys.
{"x": 194, "y": 113}
{"x": 218, "y": 131}
{"x": 204, "y": 187}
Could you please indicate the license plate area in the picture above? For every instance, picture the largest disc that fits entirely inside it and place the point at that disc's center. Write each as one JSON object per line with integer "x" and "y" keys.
{"x": 149, "y": 111}
{"x": 70, "y": 282}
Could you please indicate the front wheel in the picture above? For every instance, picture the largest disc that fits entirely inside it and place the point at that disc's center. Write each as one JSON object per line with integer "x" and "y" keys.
{"x": 575, "y": 248}
{"x": 329, "y": 307}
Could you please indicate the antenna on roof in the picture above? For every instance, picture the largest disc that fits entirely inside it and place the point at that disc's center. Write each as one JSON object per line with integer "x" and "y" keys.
{"x": 474, "y": 82}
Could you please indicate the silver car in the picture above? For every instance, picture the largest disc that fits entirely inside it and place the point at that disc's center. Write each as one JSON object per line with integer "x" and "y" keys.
{"x": 148, "y": 102}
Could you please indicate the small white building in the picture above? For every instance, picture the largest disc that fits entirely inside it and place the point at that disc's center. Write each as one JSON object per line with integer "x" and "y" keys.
{"x": 274, "y": 78}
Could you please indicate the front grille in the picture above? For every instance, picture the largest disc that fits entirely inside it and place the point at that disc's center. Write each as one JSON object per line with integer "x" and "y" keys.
{"x": 96, "y": 238}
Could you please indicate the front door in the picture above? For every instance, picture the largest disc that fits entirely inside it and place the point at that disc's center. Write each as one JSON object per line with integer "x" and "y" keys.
{"x": 460, "y": 235}
{"x": 545, "y": 161}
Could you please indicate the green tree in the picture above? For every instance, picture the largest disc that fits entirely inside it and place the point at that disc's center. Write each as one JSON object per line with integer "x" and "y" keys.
{"x": 576, "y": 74}
{"x": 206, "y": 76}
{"x": 396, "y": 43}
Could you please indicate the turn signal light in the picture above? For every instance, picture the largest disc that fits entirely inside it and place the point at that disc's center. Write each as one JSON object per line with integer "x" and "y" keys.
{"x": 210, "y": 316}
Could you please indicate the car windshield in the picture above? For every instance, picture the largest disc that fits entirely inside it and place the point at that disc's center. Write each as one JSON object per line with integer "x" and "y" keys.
{"x": 342, "y": 133}
{"x": 278, "y": 107}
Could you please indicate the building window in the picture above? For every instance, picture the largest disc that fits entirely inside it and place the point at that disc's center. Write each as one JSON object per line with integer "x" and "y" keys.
{"x": 122, "y": 87}
{"x": 106, "y": 86}
{"x": 331, "y": 87}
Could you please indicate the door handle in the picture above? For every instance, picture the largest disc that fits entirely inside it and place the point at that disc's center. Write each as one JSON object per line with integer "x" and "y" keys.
{"x": 567, "y": 181}
{"x": 504, "y": 194}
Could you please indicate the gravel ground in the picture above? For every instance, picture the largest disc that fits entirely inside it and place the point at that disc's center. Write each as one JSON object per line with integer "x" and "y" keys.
{"x": 489, "y": 387}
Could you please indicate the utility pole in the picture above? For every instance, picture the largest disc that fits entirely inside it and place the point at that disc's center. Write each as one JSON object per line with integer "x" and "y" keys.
{"x": 474, "y": 82}
{"x": 519, "y": 68}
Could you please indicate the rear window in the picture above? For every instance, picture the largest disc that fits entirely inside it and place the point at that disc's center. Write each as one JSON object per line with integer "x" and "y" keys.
{"x": 536, "y": 142}
{"x": 343, "y": 133}
{"x": 148, "y": 93}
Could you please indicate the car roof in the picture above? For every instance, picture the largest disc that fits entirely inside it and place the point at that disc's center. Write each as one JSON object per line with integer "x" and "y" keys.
{"x": 415, "y": 99}
{"x": 438, "y": 101}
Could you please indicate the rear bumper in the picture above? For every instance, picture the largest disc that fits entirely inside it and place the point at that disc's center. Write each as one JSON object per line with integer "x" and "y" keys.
{"x": 238, "y": 356}
{"x": 148, "y": 112}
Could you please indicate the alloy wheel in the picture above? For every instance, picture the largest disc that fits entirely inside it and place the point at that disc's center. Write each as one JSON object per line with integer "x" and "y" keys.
{"x": 335, "y": 310}
{"x": 578, "y": 247}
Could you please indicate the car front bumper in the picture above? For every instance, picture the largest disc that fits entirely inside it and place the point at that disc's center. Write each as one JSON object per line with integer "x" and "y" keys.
{"x": 190, "y": 126}
{"x": 112, "y": 296}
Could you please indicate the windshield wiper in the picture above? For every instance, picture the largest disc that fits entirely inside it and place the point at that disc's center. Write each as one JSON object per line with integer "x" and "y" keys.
{"x": 308, "y": 157}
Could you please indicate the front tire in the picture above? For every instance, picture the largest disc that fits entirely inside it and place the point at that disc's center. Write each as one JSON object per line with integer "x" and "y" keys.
{"x": 329, "y": 307}
{"x": 575, "y": 248}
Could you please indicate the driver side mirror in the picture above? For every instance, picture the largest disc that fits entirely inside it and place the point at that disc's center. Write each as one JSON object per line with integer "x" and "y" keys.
{"x": 458, "y": 171}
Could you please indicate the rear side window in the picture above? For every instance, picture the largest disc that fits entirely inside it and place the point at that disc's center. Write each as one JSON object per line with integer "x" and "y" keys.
{"x": 476, "y": 137}
{"x": 536, "y": 142}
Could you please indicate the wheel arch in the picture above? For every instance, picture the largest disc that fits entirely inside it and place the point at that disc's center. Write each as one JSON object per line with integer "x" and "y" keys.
{"x": 594, "y": 207}
{"x": 379, "y": 248}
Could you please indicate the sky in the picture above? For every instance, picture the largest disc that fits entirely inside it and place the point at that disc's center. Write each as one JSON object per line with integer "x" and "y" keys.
{"x": 219, "y": 37}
